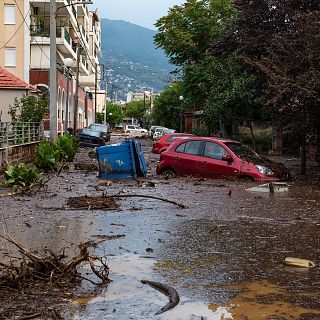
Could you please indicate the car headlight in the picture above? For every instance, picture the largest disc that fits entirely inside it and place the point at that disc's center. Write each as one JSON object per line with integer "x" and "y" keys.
{"x": 264, "y": 170}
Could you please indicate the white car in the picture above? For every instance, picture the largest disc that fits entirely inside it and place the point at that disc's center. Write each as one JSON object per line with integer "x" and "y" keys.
{"x": 159, "y": 132}
{"x": 135, "y": 130}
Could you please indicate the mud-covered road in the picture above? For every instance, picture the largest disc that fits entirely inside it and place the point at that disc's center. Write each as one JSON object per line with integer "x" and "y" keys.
{"x": 224, "y": 253}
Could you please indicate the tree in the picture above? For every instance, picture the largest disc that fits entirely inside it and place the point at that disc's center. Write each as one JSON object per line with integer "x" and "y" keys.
{"x": 281, "y": 40}
{"x": 186, "y": 33}
{"x": 137, "y": 109}
{"x": 28, "y": 109}
{"x": 168, "y": 106}
{"x": 114, "y": 114}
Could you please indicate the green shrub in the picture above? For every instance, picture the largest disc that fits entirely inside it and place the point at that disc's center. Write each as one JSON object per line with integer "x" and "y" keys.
{"x": 47, "y": 156}
{"x": 20, "y": 177}
{"x": 263, "y": 141}
{"x": 68, "y": 147}
{"x": 201, "y": 132}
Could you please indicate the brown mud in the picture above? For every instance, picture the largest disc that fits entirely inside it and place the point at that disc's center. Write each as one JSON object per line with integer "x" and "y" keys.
{"x": 224, "y": 252}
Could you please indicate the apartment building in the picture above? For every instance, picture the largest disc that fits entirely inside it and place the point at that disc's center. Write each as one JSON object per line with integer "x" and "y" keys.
{"x": 147, "y": 96}
{"x": 15, "y": 38}
{"x": 25, "y": 50}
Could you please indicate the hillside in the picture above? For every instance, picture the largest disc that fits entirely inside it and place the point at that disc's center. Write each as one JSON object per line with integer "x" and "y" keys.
{"x": 133, "y": 62}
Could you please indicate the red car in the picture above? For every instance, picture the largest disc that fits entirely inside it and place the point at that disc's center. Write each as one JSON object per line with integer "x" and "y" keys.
{"x": 164, "y": 142}
{"x": 218, "y": 158}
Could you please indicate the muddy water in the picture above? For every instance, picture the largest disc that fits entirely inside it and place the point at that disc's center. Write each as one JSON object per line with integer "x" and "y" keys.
{"x": 224, "y": 254}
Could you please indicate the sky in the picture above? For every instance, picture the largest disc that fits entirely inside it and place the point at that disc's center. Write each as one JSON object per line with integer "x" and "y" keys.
{"x": 141, "y": 12}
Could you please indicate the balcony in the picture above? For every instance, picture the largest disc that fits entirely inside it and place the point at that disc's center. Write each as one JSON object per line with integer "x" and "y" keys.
{"x": 40, "y": 34}
{"x": 82, "y": 9}
{"x": 85, "y": 36}
{"x": 84, "y": 66}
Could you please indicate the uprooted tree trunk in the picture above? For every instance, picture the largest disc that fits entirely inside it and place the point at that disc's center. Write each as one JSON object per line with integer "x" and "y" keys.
{"x": 51, "y": 267}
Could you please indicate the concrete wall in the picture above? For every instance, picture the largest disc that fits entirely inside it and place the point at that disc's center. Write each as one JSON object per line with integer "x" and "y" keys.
{"x": 17, "y": 154}
{"x": 7, "y": 98}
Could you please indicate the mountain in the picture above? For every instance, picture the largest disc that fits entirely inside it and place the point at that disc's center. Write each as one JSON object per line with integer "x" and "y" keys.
{"x": 133, "y": 62}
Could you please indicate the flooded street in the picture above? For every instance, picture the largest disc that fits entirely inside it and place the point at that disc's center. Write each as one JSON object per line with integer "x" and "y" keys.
{"x": 224, "y": 253}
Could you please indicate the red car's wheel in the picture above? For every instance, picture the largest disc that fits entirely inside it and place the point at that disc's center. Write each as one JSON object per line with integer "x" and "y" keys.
{"x": 168, "y": 173}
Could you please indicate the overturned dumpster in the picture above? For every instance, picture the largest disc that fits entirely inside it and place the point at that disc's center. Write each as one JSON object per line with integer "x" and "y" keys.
{"x": 123, "y": 160}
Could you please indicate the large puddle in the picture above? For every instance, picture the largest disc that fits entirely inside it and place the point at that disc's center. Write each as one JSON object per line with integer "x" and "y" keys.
{"x": 127, "y": 298}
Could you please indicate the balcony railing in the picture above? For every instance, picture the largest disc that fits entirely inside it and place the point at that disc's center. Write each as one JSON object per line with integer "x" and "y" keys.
{"x": 15, "y": 133}
{"x": 44, "y": 31}
{"x": 67, "y": 36}
{"x": 83, "y": 31}
{"x": 85, "y": 62}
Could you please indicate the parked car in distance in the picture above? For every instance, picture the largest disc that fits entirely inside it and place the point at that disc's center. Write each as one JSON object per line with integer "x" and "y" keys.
{"x": 161, "y": 131}
{"x": 104, "y": 129}
{"x": 90, "y": 138}
{"x": 153, "y": 129}
{"x": 218, "y": 158}
{"x": 135, "y": 130}
{"x": 164, "y": 142}
{"x": 119, "y": 127}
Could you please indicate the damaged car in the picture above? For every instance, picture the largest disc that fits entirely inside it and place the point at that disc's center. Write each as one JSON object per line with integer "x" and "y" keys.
{"x": 218, "y": 158}
{"x": 164, "y": 142}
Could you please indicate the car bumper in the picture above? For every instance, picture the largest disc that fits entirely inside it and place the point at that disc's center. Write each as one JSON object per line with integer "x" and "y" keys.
{"x": 266, "y": 179}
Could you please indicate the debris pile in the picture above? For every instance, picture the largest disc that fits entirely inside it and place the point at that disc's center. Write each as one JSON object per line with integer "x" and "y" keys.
{"x": 50, "y": 268}
{"x": 88, "y": 167}
{"x": 103, "y": 202}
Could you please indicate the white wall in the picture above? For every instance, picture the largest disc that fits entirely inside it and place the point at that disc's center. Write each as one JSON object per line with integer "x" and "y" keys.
{"x": 40, "y": 58}
{"x": 7, "y": 98}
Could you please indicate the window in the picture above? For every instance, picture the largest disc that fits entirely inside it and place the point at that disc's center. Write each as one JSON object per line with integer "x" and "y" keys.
{"x": 214, "y": 151}
{"x": 9, "y": 14}
{"x": 10, "y": 57}
{"x": 190, "y": 147}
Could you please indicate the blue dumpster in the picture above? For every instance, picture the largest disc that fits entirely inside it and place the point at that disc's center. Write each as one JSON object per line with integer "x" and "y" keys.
{"x": 122, "y": 160}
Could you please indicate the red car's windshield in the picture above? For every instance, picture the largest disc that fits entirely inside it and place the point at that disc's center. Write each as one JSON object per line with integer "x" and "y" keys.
{"x": 242, "y": 151}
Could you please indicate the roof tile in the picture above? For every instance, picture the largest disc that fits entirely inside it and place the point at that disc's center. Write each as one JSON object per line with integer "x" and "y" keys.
{"x": 9, "y": 80}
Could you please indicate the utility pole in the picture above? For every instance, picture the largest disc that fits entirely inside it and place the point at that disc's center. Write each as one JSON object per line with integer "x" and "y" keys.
{"x": 75, "y": 114}
{"x": 53, "y": 73}
{"x": 95, "y": 92}
{"x": 106, "y": 97}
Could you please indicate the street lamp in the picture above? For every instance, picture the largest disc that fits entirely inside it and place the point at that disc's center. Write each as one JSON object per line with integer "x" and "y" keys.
{"x": 86, "y": 92}
{"x": 181, "y": 98}
{"x": 68, "y": 62}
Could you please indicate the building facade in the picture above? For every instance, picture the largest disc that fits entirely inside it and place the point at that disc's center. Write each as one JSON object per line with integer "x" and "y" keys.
{"x": 25, "y": 51}
{"x": 15, "y": 38}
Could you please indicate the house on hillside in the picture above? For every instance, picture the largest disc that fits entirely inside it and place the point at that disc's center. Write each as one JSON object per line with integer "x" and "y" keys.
{"x": 11, "y": 87}
{"x": 147, "y": 97}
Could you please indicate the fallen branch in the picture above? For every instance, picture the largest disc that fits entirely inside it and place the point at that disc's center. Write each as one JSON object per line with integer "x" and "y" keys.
{"x": 147, "y": 196}
{"x": 168, "y": 291}
{"x": 9, "y": 194}
{"x": 31, "y": 316}
{"x": 51, "y": 267}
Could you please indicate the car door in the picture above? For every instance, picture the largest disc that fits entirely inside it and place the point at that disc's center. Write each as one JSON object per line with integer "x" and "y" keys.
{"x": 211, "y": 163}
{"x": 185, "y": 158}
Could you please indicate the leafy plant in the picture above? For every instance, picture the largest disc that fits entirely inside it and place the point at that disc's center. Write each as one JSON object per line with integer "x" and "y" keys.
{"x": 47, "y": 156}
{"x": 20, "y": 177}
{"x": 68, "y": 147}
{"x": 202, "y": 132}
{"x": 28, "y": 109}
